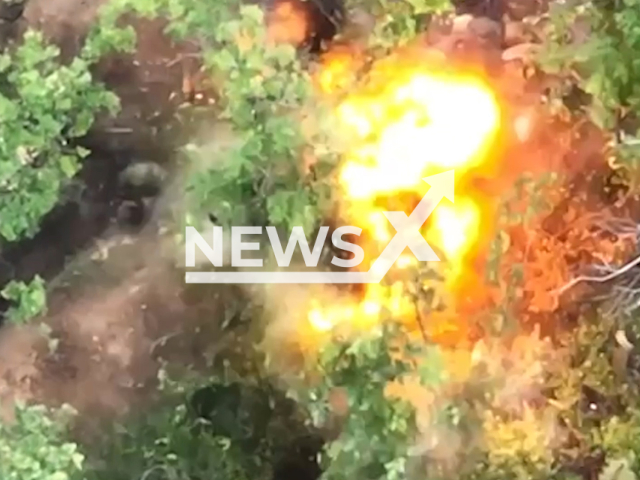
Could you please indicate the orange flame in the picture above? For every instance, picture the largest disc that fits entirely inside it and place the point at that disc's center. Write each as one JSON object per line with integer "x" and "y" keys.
{"x": 409, "y": 120}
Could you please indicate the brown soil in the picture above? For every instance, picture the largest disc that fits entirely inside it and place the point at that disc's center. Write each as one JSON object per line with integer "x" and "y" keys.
{"x": 114, "y": 313}
{"x": 117, "y": 308}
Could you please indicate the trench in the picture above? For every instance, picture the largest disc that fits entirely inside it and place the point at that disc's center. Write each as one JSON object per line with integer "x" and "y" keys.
{"x": 93, "y": 201}
{"x": 92, "y": 207}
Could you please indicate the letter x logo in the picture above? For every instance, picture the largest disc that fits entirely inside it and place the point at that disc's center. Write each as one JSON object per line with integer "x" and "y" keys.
{"x": 408, "y": 227}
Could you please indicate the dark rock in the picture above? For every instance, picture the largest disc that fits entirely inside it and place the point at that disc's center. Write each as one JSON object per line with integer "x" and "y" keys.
{"x": 142, "y": 179}
{"x": 486, "y": 30}
{"x": 131, "y": 213}
{"x": 359, "y": 25}
{"x": 11, "y": 10}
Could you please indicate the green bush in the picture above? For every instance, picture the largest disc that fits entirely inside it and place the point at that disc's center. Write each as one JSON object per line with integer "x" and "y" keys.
{"x": 34, "y": 446}
{"x": 45, "y": 105}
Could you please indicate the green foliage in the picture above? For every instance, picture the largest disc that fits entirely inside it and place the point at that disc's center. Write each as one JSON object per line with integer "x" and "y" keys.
{"x": 619, "y": 436}
{"x": 263, "y": 89}
{"x": 107, "y": 36}
{"x": 379, "y": 430}
{"x": 596, "y": 44}
{"x": 33, "y": 446}
{"x": 29, "y": 300}
{"x": 260, "y": 178}
{"x": 400, "y": 21}
{"x": 165, "y": 445}
{"x": 202, "y": 428}
{"x": 44, "y": 105}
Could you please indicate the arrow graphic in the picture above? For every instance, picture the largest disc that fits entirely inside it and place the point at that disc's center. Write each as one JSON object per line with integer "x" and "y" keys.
{"x": 407, "y": 235}
{"x": 408, "y": 228}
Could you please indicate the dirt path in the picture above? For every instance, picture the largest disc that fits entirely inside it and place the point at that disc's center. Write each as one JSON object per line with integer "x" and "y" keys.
{"x": 144, "y": 81}
{"x": 115, "y": 311}
{"x": 117, "y": 306}
{"x": 63, "y": 20}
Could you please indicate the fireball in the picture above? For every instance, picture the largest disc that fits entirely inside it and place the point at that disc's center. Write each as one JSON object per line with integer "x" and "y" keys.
{"x": 405, "y": 121}
{"x": 424, "y": 123}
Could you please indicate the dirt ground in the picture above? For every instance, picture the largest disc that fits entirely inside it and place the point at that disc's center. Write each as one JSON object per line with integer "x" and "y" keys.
{"x": 144, "y": 81}
{"x": 62, "y": 20}
{"x": 111, "y": 318}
